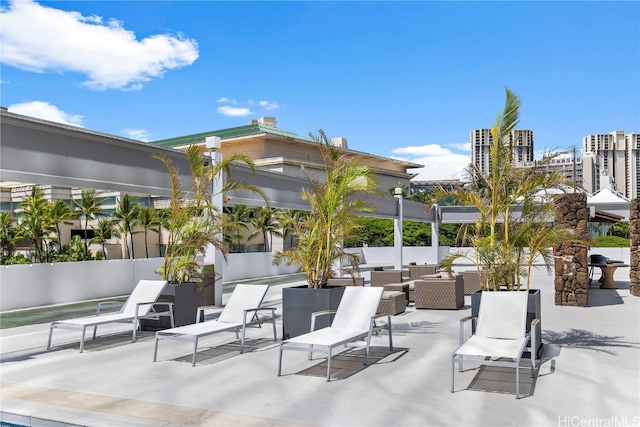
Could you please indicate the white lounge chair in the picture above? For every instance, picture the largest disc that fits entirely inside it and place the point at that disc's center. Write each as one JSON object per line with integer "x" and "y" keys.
{"x": 501, "y": 335}
{"x": 245, "y": 300}
{"x": 139, "y": 305}
{"x": 354, "y": 319}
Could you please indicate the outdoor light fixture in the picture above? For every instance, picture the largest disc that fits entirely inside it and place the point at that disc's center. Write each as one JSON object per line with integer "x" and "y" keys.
{"x": 213, "y": 142}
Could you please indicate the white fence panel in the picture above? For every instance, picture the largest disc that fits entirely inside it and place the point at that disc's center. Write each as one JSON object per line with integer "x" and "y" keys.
{"x": 35, "y": 285}
{"x": 252, "y": 265}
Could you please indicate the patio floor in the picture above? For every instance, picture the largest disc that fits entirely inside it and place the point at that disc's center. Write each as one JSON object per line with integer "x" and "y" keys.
{"x": 590, "y": 375}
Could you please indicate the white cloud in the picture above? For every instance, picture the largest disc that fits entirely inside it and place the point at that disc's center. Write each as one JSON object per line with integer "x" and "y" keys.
{"x": 227, "y": 100}
{"x": 449, "y": 161}
{"x": 139, "y": 134}
{"x": 234, "y": 112}
{"x": 45, "y": 111}
{"x": 243, "y": 111}
{"x": 108, "y": 54}
{"x": 269, "y": 105}
{"x": 462, "y": 146}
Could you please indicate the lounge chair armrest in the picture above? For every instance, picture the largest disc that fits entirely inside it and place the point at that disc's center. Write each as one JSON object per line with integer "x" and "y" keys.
{"x": 466, "y": 319}
{"x": 260, "y": 309}
{"x": 318, "y": 314}
{"x": 203, "y": 308}
{"x": 105, "y": 302}
{"x": 462, "y": 323}
{"x": 322, "y": 313}
{"x": 534, "y": 322}
{"x": 375, "y": 316}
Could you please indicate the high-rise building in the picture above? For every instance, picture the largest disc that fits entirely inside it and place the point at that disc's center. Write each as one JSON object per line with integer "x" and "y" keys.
{"x": 481, "y": 140}
{"x": 570, "y": 167}
{"x": 612, "y": 161}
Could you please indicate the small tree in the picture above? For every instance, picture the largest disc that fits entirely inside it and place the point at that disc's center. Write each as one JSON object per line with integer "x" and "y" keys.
{"x": 266, "y": 222}
{"x": 88, "y": 207}
{"x": 126, "y": 216}
{"x": 515, "y": 208}
{"x": 335, "y": 204}
{"x": 193, "y": 222}
{"x": 149, "y": 220}
{"x": 105, "y": 230}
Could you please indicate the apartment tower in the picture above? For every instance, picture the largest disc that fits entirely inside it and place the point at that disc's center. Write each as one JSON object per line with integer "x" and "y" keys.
{"x": 612, "y": 160}
{"x": 481, "y": 140}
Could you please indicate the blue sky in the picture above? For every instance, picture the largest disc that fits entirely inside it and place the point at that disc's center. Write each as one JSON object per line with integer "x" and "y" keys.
{"x": 408, "y": 80}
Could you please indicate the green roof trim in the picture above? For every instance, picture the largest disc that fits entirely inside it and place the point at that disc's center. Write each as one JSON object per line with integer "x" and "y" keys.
{"x": 229, "y": 133}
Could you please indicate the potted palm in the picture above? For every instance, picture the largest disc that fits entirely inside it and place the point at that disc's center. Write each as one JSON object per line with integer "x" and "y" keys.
{"x": 515, "y": 224}
{"x": 335, "y": 202}
{"x": 193, "y": 223}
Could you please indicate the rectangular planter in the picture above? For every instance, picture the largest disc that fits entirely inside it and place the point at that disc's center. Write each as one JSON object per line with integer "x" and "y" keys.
{"x": 299, "y": 302}
{"x": 186, "y": 299}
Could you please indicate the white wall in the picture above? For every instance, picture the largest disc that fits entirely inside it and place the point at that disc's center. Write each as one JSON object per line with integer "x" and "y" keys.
{"x": 34, "y": 285}
{"x": 418, "y": 254}
{"x": 44, "y": 284}
{"x": 252, "y": 265}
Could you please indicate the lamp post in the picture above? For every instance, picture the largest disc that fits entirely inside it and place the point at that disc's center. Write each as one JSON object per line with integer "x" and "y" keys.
{"x": 397, "y": 231}
{"x": 213, "y": 143}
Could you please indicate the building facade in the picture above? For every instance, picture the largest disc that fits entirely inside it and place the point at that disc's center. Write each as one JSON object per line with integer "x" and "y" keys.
{"x": 481, "y": 140}
{"x": 612, "y": 161}
{"x": 570, "y": 167}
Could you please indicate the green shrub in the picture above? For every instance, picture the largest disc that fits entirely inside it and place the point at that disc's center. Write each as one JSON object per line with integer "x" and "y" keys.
{"x": 611, "y": 242}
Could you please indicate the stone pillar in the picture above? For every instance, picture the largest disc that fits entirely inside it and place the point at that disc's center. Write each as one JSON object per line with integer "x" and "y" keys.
{"x": 634, "y": 231}
{"x": 571, "y": 267}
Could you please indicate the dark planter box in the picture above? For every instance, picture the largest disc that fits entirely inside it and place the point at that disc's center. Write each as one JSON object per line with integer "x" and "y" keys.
{"x": 186, "y": 299}
{"x": 300, "y": 301}
{"x": 533, "y": 310}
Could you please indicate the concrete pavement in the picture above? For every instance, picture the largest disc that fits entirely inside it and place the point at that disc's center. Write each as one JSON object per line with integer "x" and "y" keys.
{"x": 590, "y": 375}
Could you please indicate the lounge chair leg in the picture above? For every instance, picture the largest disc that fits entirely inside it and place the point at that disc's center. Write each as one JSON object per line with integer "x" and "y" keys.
{"x": 453, "y": 369}
{"x": 517, "y": 378}
{"x": 50, "y": 333}
{"x": 195, "y": 351}
{"x": 329, "y": 366}
{"x": 155, "y": 350}
{"x": 84, "y": 329}
{"x": 280, "y": 360}
{"x": 390, "y": 335}
{"x": 95, "y": 329}
{"x": 242, "y": 339}
{"x": 310, "y": 352}
{"x": 273, "y": 320}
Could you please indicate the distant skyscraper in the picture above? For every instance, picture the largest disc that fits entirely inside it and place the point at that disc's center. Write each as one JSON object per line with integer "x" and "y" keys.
{"x": 481, "y": 140}
{"x": 612, "y": 160}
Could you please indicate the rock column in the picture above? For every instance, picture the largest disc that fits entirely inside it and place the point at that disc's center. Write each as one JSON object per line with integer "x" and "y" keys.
{"x": 634, "y": 231}
{"x": 571, "y": 267}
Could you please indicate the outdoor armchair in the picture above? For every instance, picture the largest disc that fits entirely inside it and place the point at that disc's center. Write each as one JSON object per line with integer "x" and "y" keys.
{"x": 354, "y": 319}
{"x": 239, "y": 312}
{"x": 500, "y": 337}
{"x": 381, "y": 278}
{"x": 140, "y": 305}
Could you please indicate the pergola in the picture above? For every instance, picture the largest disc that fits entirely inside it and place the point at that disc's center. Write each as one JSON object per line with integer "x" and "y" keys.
{"x": 34, "y": 151}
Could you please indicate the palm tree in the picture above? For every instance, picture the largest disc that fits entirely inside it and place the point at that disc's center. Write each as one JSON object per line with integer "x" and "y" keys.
{"x": 499, "y": 237}
{"x": 34, "y": 223}
{"x": 286, "y": 220}
{"x": 266, "y": 222}
{"x": 8, "y": 232}
{"x": 103, "y": 232}
{"x": 59, "y": 213}
{"x": 87, "y": 207}
{"x": 239, "y": 221}
{"x": 335, "y": 205}
{"x": 193, "y": 221}
{"x": 126, "y": 215}
{"x": 149, "y": 220}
